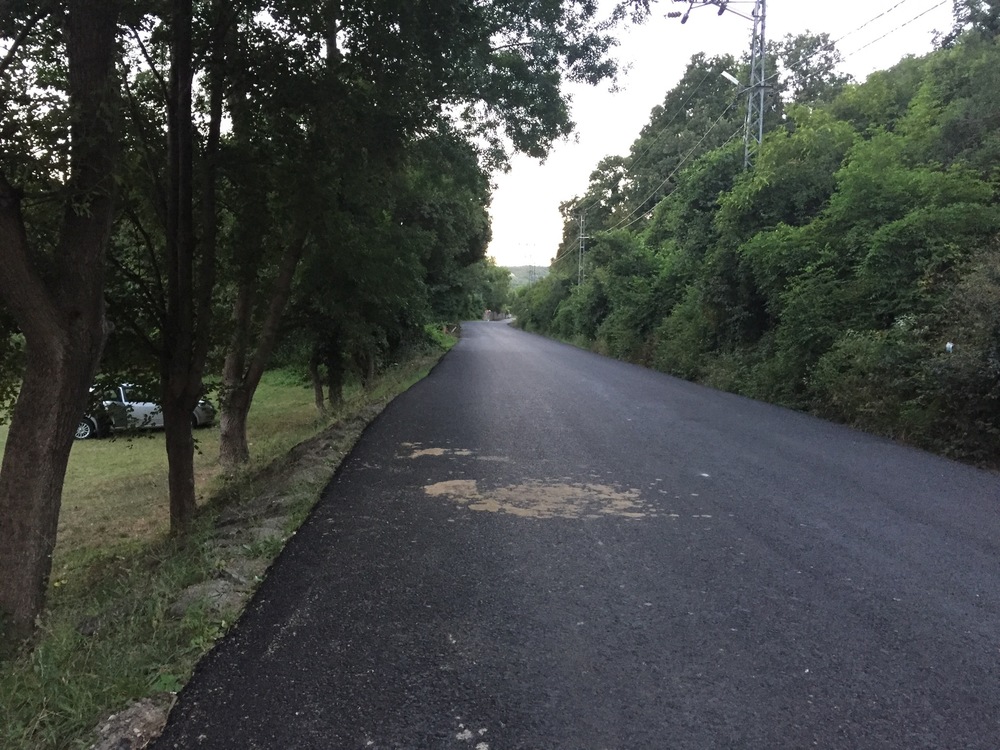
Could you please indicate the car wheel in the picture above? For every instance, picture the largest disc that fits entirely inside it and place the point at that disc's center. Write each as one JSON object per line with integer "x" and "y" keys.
{"x": 86, "y": 429}
{"x": 194, "y": 421}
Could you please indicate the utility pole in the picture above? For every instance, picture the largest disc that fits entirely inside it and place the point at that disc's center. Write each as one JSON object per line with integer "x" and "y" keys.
{"x": 579, "y": 271}
{"x": 753, "y": 131}
{"x": 757, "y": 95}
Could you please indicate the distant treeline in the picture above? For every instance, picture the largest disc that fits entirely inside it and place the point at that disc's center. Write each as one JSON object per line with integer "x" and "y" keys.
{"x": 853, "y": 272}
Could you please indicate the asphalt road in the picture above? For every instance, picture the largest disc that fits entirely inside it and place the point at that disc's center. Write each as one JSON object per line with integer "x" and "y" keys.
{"x": 538, "y": 548}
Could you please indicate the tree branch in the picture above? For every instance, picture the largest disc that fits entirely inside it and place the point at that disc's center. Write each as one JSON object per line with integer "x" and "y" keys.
{"x": 161, "y": 299}
{"x": 16, "y": 44}
{"x": 147, "y": 152}
{"x": 24, "y": 291}
{"x": 164, "y": 88}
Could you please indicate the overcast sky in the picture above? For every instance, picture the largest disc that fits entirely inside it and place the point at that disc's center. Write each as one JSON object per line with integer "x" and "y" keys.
{"x": 527, "y": 226}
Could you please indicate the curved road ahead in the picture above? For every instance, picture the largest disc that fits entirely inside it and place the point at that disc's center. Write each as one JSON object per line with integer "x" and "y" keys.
{"x": 539, "y": 548}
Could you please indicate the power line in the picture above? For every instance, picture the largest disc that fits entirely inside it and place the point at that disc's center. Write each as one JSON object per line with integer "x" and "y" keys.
{"x": 635, "y": 160}
{"x": 683, "y": 159}
{"x": 644, "y": 214}
{"x": 662, "y": 130}
{"x": 870, "y": 21}
{"x": 800, "y": 63}
{"x": 867, "y": 23}
{"x": 774, "y": 75}
{"x": 898, "y": 28}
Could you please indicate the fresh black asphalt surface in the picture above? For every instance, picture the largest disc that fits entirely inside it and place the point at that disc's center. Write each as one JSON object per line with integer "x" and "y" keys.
{"x": 539, "y": 548}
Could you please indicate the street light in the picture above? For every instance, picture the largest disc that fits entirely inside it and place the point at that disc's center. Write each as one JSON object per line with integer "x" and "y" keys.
{"x": 730, "y": 77}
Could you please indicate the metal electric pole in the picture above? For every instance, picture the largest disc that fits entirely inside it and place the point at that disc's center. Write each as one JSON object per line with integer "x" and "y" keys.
{"x": 753, "y": 132}
{"x": 757, "y": 95}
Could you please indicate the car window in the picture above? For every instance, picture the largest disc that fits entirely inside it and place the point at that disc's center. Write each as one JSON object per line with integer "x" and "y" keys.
{"x": 111, "y": 394}
{"x": 134, "y": 395}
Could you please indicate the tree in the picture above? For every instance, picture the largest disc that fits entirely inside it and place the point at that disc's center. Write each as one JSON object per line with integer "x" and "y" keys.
{"x": 979, "y": 17}
{"x": 401, "y": 71}
{"x": 54, "y": 289}
{"x": 810, "y": 68}
{"x": 699, "y": 114}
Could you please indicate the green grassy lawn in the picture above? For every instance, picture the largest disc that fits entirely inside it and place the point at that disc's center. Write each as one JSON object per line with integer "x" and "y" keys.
{"x": 116, "y": 487}
{"x": 107, "y": 637}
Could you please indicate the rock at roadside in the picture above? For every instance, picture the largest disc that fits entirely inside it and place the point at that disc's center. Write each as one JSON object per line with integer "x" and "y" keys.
{"x": 218, "y": 596}
{"x": 134, "y": 728}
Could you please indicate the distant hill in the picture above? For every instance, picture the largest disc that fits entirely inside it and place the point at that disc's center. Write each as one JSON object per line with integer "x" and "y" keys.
{"x": 523, "y": 275}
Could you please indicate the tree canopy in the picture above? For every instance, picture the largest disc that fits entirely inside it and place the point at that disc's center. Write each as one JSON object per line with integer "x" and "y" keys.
{"x": 185, "y": 185}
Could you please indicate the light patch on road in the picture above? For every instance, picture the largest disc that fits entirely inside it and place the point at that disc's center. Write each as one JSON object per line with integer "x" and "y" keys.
{"x": 416, "y": 450}
{"x": 539, "y": 499}
{"x": 466, "y": 734}
{"x": 420, "y": 452}
{"x": 455, "y": 488}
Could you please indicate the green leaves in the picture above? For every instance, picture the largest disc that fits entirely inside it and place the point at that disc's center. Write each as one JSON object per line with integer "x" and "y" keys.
{"x": 831, "y": 275}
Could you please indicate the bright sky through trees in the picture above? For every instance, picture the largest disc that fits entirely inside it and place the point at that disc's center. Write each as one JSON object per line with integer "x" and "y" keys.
{"x": 527, "y": 226}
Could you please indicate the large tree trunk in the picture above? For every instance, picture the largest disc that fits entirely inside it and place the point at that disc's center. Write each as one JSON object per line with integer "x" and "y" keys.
{"x": 247, "y": 356}
{"x": 335, "y": 372}
{"x": 317, "y": 384}
{"x": 180, "y": 325}
{"x": 187, "y": 331}
{"x": 234, "y": 401}
{"x": 49, "y": 406}
{"x": 60, "y": 311}
{"x": 234, "y": 449}
{"x": 242, "y": 371}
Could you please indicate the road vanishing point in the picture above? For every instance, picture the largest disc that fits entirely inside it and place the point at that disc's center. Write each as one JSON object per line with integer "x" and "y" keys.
{"x": 539, "y": 548}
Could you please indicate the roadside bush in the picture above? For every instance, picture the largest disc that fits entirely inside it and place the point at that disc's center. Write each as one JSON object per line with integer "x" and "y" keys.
{"x": 875, "y": 380}
{"x": 580, "y": 314}
{"x": 680, "y": 342}
{"x": 535, "y": 306}
{"x": 968, "y": 379}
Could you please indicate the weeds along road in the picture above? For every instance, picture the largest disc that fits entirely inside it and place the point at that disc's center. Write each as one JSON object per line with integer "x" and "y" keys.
{"x": 538, "y": 548}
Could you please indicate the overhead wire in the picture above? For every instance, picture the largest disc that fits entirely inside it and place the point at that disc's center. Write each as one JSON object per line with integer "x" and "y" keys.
{"x": 898, "y": 28}
{"x": 637, "y": 159}
{"x": 800, "y": 63}
{"x": 870, "y": 21}
{"x": 683, "y": 159}
{"x": 867, "y": 23}
{"x": 725, "y": 143}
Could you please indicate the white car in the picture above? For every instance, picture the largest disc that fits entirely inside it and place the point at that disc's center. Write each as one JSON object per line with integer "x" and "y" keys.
{"x": 128, "y": 407}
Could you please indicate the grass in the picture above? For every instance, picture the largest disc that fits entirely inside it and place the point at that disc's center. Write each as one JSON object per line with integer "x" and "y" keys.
{"x": 107, "y": 637}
